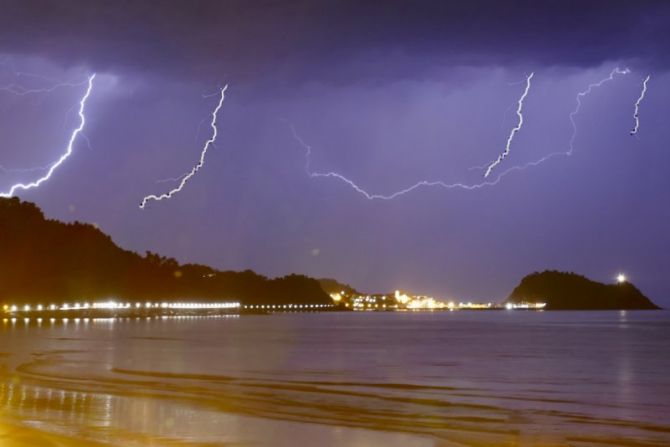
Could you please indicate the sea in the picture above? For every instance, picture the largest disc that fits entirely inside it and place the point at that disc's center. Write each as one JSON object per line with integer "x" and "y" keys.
{"x": 462, "y": 378}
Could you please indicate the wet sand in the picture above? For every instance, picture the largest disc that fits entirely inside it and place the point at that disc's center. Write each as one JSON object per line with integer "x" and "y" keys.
{"x": 16, "y": 435}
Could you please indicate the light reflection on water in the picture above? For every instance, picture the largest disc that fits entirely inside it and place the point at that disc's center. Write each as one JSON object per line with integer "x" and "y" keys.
{"x": 473, "y": 378}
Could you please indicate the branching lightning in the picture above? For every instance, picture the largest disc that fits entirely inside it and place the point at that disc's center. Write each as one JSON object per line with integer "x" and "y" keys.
{"x": 68, "y": 151}
{"x": 6, "y": 170}
{"x": 573, "y": 123}
{"x": 201, "y": 162}
{"x": 580, "y": 95}
{"x": 372, "y": 196}
{"x": 460, "y": 185}
{"x": 19, "y": 90}
{"x": 514, "y": 130}
{"x": 23, "y": 170}
{"x": 571, "y": 117}
{"x": 636, "y": 114}
{"x": 171, "y": 179}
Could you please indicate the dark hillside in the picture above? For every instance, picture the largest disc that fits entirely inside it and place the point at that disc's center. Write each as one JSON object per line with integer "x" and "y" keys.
{"x": 569, "y": 291}
{"x": 47, "y": 260}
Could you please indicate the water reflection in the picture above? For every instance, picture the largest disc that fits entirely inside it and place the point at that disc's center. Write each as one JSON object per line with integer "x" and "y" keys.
{"x": 341, "y": 379}
{"x": 143, "y": 421}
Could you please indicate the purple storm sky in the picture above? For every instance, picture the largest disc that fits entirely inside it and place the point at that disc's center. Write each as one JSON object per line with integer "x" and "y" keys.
{"x": 387, "y": 94}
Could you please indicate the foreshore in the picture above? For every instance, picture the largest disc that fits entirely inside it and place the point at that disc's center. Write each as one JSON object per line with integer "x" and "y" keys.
{"x": 15, "y": 435}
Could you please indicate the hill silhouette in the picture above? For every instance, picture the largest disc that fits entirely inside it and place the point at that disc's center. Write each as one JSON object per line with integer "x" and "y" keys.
{"x": 46, "y": 260}
{"x": 330, "y": 285}
{"x": 569, "y": 291}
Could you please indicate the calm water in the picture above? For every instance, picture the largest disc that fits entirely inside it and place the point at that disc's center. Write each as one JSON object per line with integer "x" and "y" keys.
{"x": 343, "y": 379}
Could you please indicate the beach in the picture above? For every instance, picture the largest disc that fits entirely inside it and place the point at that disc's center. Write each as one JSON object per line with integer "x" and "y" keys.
{"x": 405, "y": 379}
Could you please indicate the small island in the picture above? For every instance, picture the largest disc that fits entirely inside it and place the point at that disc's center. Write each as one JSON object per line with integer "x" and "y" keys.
{"x": 570, "y": 291}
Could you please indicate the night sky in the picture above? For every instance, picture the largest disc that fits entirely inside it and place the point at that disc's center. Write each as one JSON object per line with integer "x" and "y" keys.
{"x": 386, "y": 94}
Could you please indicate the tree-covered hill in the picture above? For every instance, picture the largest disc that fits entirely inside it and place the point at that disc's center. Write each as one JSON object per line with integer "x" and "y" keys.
{"x": 46, "y": 260}
{"x": 569, "y": 291}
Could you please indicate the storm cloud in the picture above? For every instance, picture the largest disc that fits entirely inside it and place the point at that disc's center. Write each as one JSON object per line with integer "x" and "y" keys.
{"x": 333, "y": 41}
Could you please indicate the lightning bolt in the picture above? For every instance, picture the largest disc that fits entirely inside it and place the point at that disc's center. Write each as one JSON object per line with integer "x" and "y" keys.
{"x": 373, "y": 196}
{"x": 19, "y": 90}
{"x": 171, "y": 179}
{"x": 460, "y": 185}
{"x": 23, "y": 170}
{"x": 201, "y": 162}
{"x": 514, "y": 130}
{"x": 636, "y": 114}
{"x": 580, "y": 95}
{"x": 68, "y": 151}
{"x": 573, "y": 123}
